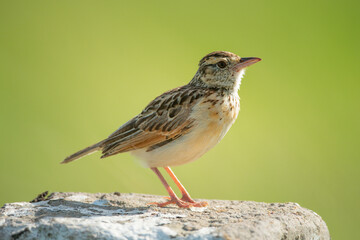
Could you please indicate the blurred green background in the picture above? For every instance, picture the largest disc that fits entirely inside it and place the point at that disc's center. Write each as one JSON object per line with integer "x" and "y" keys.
{"x": 71, "y": 72}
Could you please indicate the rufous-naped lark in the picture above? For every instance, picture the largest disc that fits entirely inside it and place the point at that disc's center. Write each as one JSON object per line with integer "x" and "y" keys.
{"x": 180, "y": 125}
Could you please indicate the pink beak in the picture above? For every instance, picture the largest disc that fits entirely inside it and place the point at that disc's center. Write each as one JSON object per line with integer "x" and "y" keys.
{"x": 245, "y": 62}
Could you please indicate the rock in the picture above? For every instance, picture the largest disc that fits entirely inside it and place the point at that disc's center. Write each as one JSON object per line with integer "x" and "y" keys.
{"x": 128, "y": 216}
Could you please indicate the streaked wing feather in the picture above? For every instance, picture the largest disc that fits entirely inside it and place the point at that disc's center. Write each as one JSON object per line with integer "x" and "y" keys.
{"x": 165, "y": 118}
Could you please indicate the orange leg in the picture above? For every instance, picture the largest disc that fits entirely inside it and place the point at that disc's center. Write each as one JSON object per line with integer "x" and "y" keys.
{"x": 173, "y": 198}
{"x": 185, "y": 195}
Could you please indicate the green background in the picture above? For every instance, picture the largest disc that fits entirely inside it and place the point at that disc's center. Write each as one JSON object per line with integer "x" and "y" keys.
{"x": 71, "y": 72}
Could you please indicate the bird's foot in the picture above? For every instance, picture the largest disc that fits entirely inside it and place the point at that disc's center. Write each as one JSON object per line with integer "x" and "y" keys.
{"x": 188, "y": 199}
{"x": 181, "y": 203}
{"x": 184, "y": 202}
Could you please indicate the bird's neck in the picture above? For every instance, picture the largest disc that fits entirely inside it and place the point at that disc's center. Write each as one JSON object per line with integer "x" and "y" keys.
{"x": 230, "y": 86}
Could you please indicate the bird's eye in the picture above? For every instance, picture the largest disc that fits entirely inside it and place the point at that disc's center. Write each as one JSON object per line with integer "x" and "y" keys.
{"x": 221, "y": 64}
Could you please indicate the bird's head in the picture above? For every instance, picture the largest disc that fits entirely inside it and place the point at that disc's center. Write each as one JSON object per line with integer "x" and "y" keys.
{"x": 222, "y": 70}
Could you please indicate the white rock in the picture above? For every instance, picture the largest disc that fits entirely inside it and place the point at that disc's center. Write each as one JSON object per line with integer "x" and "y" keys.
{"x": 127, "y": 216}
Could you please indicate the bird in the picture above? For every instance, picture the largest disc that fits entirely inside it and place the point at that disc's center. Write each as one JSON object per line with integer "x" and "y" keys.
{"x": 182, "y": 124}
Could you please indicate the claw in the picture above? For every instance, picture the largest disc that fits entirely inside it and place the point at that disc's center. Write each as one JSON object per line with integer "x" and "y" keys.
{"x": 199, "y": 204}
{"x": 188, "y": 199}
{"x": 180, "y": 203}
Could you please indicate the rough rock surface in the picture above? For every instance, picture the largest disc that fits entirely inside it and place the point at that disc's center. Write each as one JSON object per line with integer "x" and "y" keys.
{"x": 128, "y": 216}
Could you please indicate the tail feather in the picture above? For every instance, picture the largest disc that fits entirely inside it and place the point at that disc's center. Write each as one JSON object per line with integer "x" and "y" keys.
{"x": 89, "y": 150}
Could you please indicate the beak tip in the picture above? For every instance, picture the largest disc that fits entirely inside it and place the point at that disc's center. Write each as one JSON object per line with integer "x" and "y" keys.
{"x": 245, "y": 62}
{"x": 256, "y": 59}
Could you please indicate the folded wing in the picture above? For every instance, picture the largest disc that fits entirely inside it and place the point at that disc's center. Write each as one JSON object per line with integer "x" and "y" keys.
{"x": 165, "y": 119}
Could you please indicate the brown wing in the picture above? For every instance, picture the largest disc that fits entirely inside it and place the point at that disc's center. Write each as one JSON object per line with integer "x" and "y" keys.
{"x": 163, "y": 120}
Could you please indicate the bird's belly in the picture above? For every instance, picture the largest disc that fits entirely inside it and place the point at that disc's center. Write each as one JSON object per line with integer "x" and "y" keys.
{"x": 183, "y": 150}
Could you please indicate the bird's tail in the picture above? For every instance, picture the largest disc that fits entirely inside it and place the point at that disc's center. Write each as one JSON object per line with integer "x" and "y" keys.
{"x": 89, "y": 150}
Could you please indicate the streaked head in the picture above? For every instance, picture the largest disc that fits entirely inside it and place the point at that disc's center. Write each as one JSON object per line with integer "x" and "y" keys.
{"x": 222, "y": 70}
